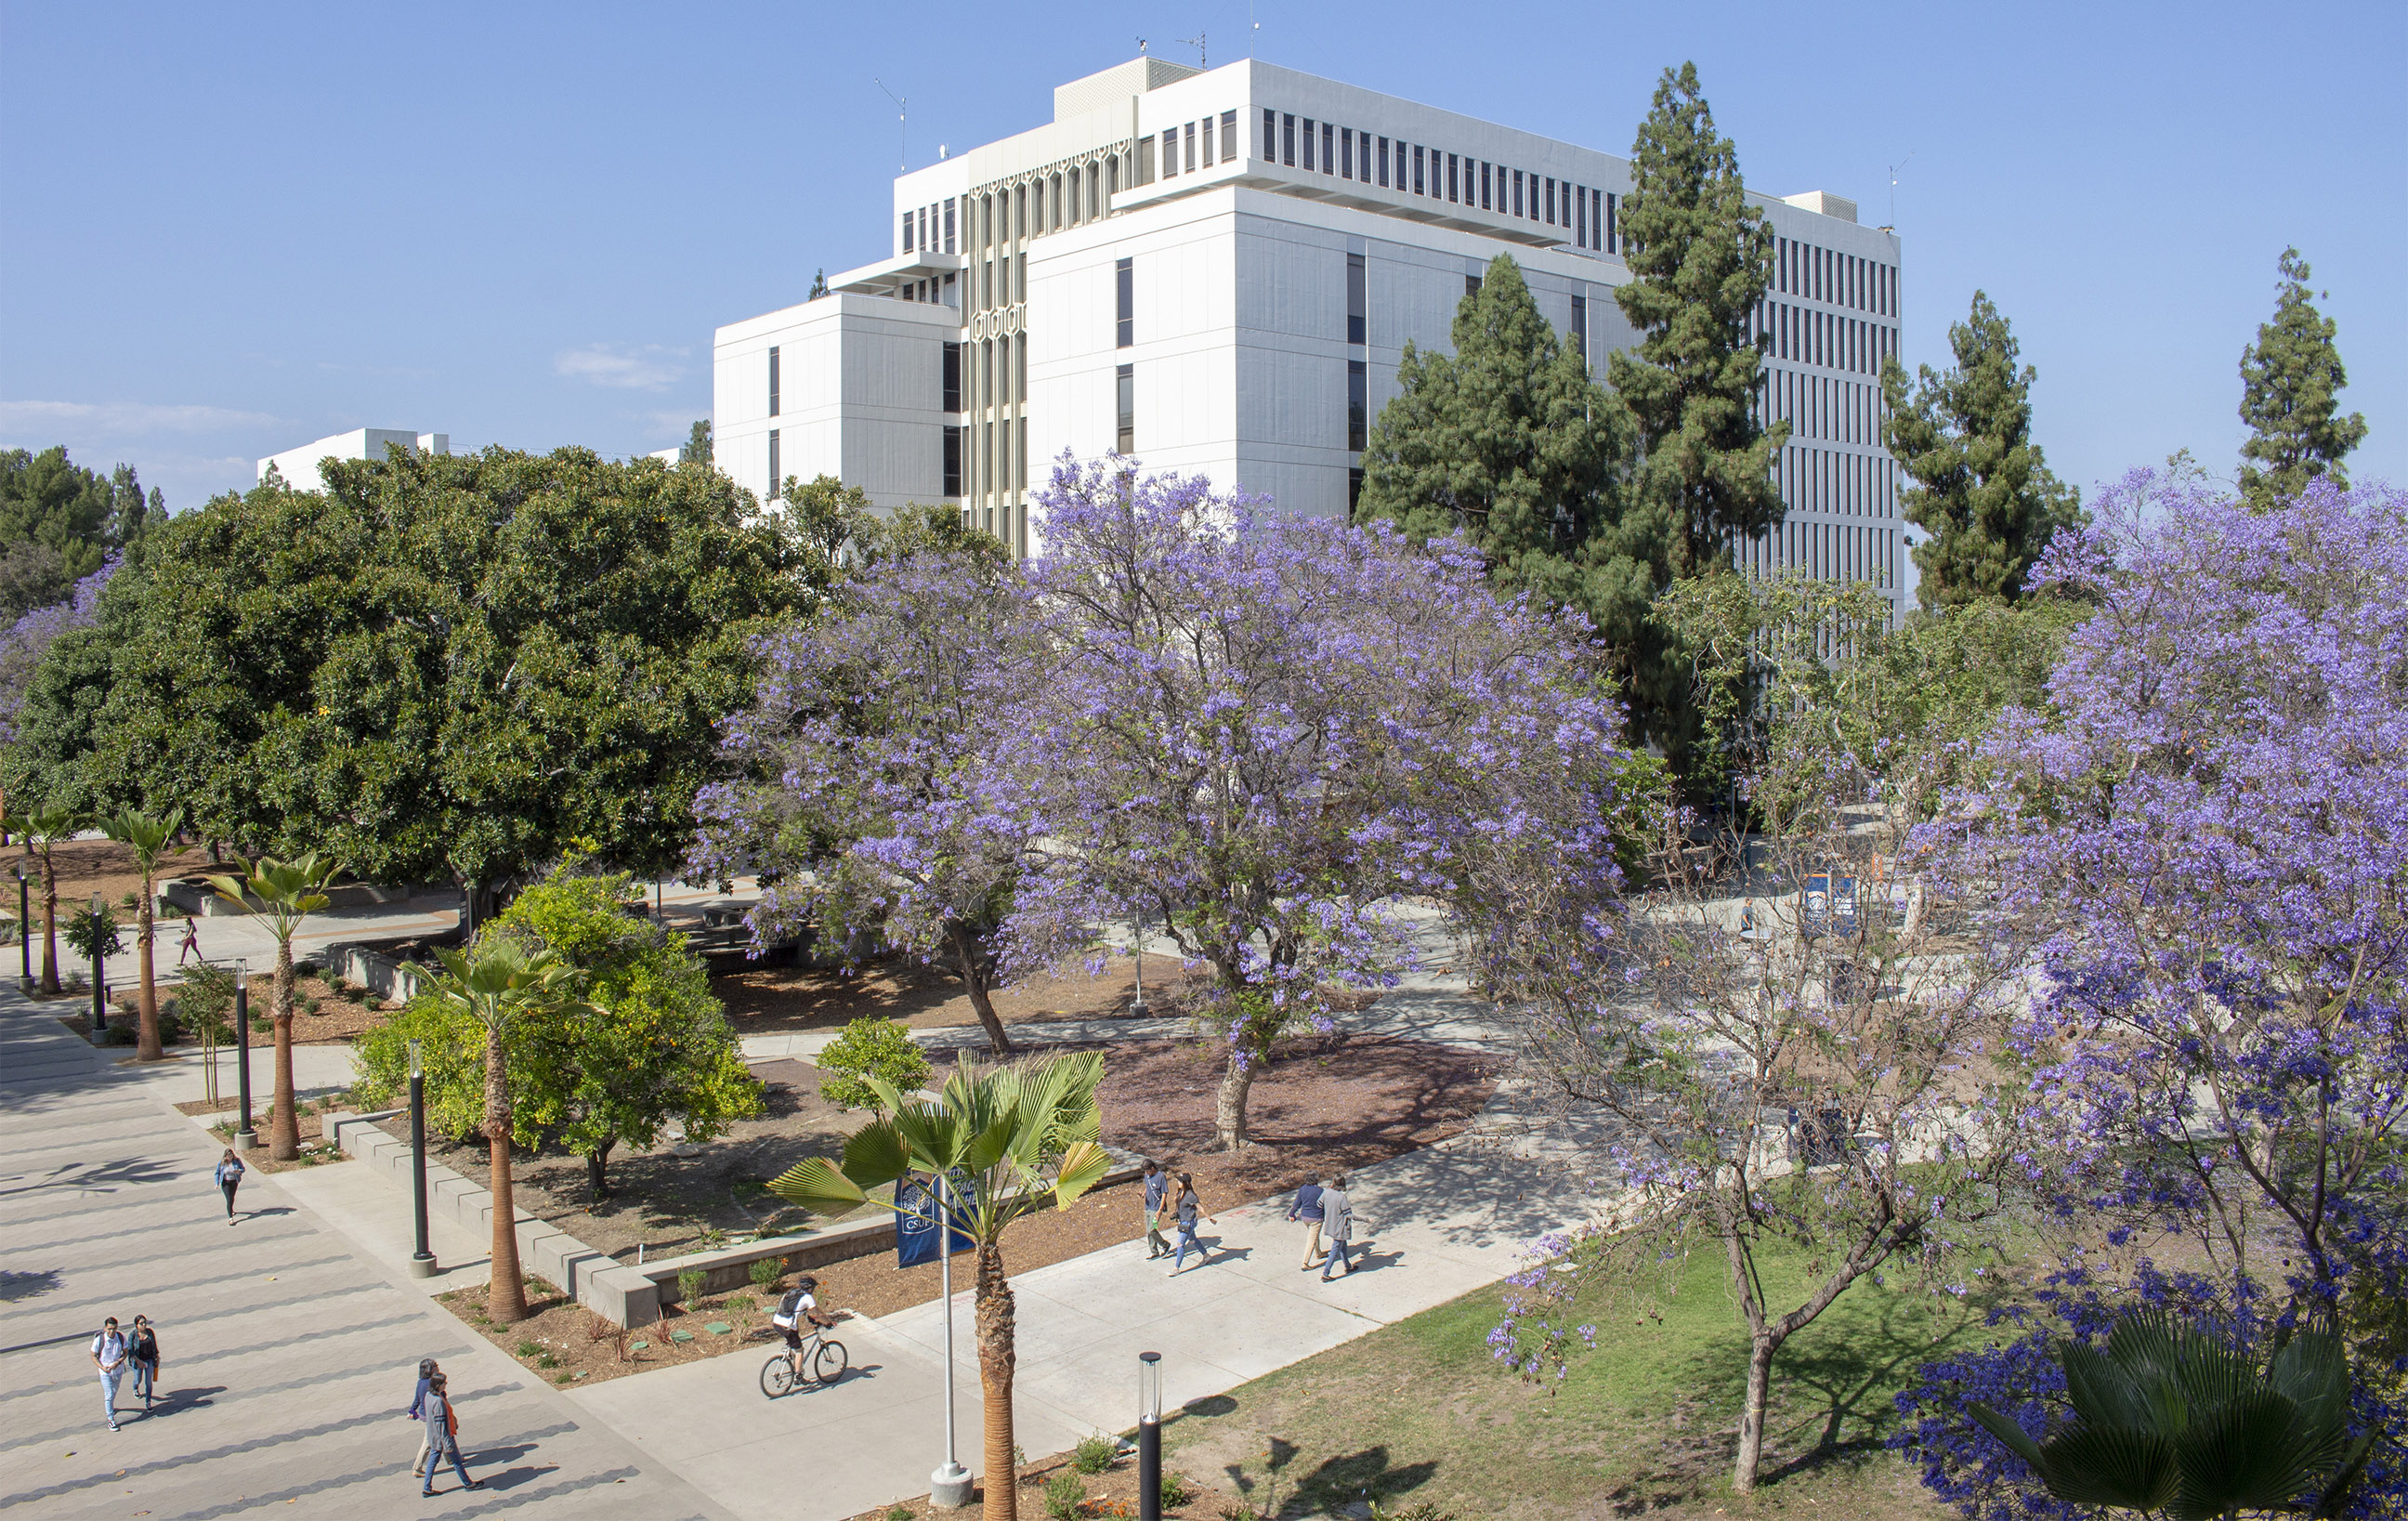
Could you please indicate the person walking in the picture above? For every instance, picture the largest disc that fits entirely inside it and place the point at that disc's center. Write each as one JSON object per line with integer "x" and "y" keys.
{"x": 1307, "y": 1208}
{"x": 427, "y": 1369}
{"x": 142, "y": 1351}
{"x": 1338, "y": 1221}
{"x": 192, "y": 941}
{"x": 443, "y": 1437}
{"x": 1157, "y": 1190}
{"x": 109, "y": 1354}
{"x": 229, "y": 1175}
{"x": 1186, "y": 1207}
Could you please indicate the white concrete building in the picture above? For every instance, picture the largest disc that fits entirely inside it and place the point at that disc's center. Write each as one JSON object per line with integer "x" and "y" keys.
{"x": 1217, "y": 272}
{"x": 299, "y": 466}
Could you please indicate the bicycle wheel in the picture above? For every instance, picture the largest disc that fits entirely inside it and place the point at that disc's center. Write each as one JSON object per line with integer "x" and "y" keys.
{"x": 827, "y": 1364}
{"x": 777, "y": 1376}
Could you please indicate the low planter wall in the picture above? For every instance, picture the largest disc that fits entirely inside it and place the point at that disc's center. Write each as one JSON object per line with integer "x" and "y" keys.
{"x": 385, "y": 976}
{"x": 191, "y": 894}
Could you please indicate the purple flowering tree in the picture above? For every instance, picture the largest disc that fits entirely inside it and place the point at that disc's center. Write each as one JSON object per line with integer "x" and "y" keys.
{"x": 23, "y": 646}
{"x": 878, "y": 744}
{"x": 1276, "y": 738}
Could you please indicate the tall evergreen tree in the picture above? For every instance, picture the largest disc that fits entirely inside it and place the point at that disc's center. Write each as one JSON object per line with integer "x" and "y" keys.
{"x": 1980, "y": 487}
{"x": 1511, "y": 443}
{"x": 696, "y": 448}
{"x": 1699, "y": 257}
{"x": 2288, "y": 379}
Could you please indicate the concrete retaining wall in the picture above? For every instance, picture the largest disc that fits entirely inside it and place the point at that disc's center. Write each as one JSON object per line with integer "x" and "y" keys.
{"x": 189, "y": 895}
{"x": 400, "y": 980}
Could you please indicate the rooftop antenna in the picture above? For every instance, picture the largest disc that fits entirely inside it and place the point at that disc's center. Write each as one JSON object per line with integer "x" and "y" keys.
{"x": 1893, "y": 186}
{"x": 1196, "y": 42}
{"x": 903, "y": 119}
{"x": 1140, "y": 46}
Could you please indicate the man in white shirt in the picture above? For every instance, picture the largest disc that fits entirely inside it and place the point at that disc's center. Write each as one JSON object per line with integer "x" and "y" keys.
{"x": 108, "y": 1356}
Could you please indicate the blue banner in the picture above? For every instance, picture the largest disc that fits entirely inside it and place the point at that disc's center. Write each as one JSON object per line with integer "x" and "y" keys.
{"x": 915, "y": 1224}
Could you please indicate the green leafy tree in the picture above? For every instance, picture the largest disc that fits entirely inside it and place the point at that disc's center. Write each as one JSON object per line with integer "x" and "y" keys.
{"x": 147, "y": 836}
{"x": 871, "y": 1047}
{"x": 819, "y": 286}
{"x": 696, "y": 448}
{"x": 2289, "y": 378}
{"x": 1019, "y": 1137}
{"x": 1510, "y": 443}
{"x": 444, "y": 666}
{"x": 640, "y": 1041}
{"x": 1979, "y": 485}
{"x": 497, "y": 982}
{"x": 50, "y": 502}
{"x": 286, "y": 893}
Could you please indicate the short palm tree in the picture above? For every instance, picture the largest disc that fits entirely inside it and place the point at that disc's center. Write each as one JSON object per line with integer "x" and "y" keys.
{"x": 46, "y": 828}
{"x": 496, "y": 981}
{"x": 1013, "y": 1138}
{"x": 2173, "y": 1421}
{"x": 147, "y": 837}
{"x": 291, "y": 891}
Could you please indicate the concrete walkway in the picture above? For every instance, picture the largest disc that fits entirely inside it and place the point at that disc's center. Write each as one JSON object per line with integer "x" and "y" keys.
{"x": 288, "y": 1354}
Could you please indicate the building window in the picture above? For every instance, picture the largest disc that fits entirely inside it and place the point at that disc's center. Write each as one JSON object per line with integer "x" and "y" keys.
{"x": 1580, "y": 325}
{"x": 1357, "y": 303}
{"x": 1451, "y": 180}
{"x": 1346, "y": 152}
{"x": 1487, "y": 203}
{"x": 1329, "y": 140}
{"x": 1123, "y": 305}
{"x": 773, "y": 380}
{"x": 952, "y": 483}
{"x": 1552, "y": 220}
{"x": 1517, "y": 193}
{"x": 1597, "y": 220}
{"x": 1354, "y": 491}
{"x": 1308, "y": 143}
{"x": 907, "y": 232}
{"x": 1207, "y": 142}
{"x": 774, "y": 477}
{"x": 1580, "y": 217}
{"x": 1228, "y": 135}
{"x": 1400, "y": 163}
{"x": 1187, "y": 135}
{"x": 1612, "y": 233}
{"x": 1124, "y": 389}
{"x": 1169, "y": 154}
{"x": 1420, "y": 181}
{"x": 1271, "y": 136}
{"x": 949, "y": 225}
{"x": 1470, "y": 286}
{"x": 953, "y": 397}
{"x": 1287, "y": 140}
{"x": 1358, "y": 404}
{"x": 1383, "y": 161}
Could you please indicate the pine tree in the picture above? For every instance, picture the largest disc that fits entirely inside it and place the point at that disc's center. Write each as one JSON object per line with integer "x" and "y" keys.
{"x": 1699, "y": 256}
{"x": 696, "y": 448}
{"x": 2288, "y": 380}
{"x": 1980, "y": 487}
{"x": 1511, "y": 443}
{"x": 819, "y": 286}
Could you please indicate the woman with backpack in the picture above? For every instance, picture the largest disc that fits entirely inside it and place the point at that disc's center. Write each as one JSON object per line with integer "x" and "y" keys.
{"x": 443, "y": 1437}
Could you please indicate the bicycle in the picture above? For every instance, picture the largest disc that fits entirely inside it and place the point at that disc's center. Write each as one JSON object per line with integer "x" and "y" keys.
{"x": 823, "y": 1357}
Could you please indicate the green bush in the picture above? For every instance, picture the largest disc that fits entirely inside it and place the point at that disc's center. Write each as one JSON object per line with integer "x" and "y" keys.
{"x": 1093, "y": 1454}
{"x": 1175, "y": 1492}
{"x": 528, "y": 1349}
{"x": 900, "y": 1513}
{"x": 690, "y": 1287}
{"x": 870, "y": 1046}
{"x": 1064, "y": 1494}
{"x": 81, "y": 928}
{"x": 766, "y": 1272}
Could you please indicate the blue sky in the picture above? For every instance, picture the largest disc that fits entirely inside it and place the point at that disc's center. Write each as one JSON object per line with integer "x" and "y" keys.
{"x": 230, "y": 229}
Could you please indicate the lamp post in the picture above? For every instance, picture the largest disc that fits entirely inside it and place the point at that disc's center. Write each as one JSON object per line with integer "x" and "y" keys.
{"x": 99, "y": 992}
{"x": 1137, "y": 939}
{"x": 24, "y": 937}
{"x": 1149, "y": 1436}
{"x": 245, "y": 1137}
{"x": 422, "y": 1262}
{"x": 949, "y": 1488}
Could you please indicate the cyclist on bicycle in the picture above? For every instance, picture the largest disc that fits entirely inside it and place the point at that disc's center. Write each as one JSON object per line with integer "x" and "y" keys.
{"x": 800, "y": 1307}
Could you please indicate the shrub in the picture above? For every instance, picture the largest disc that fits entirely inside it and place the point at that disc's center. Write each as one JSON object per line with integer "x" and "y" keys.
{"x": 900, "y": 1513}
{"x": 1425, "y": 1511}
{"x": 737, "y": 1301}
{"x": 1175, "y": 1492}
{"x": 545, "y": 1360}
{"x": 766, "y": 1272}
{"x": 868, "y": 1047}
{"x": 1064, "y": 1494}
{"x": 690, "y": 1287}
{"x": 529, "y": 1348}
{"x": 80, "y": 927}
{"x": 1093, "y": 1454}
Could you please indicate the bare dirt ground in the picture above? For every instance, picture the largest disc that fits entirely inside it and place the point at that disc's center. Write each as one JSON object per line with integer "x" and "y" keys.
{"x": 781, "y": 999}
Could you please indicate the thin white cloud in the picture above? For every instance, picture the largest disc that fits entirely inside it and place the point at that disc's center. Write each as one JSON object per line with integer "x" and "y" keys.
{"x": 620, "y": 366}
{"x": 112, "y": 419}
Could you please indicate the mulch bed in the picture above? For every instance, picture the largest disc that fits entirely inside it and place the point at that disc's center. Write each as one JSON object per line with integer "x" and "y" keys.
{"x": 1111, "y": 1494}
{"x": 763, "y": 999}
{"x": 340, "y": 1018}
{"x": 316, "y": 1150}
{"x": 565, "y": 1344}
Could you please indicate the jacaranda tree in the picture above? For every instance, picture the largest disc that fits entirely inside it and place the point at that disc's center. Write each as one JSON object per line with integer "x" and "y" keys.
{"x": 1268, "y": 735}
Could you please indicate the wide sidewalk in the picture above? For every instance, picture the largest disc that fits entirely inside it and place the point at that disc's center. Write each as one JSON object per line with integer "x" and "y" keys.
{"x": 288, "y": 1354}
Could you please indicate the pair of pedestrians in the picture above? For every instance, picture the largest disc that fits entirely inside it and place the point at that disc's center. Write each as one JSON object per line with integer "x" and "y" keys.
{"x": 432, "y": 1407}
{"x": 116, "y": 1353}
{"x": 1184, "y": 1207}
{"x": 1324, "y": 1209}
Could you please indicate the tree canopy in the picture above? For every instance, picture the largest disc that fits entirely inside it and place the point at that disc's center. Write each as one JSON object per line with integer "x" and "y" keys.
{"x": 2289, "y": 378}
{"x": 59, "y": 521}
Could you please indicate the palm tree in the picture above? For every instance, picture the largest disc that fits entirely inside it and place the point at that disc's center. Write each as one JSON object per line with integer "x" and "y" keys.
{"x": 1001, "y": 1133}
{"x": 496, "y": 981}
{"x": 290, "y": 892}
{"x": 44, "y": 828}
{"x": 147, "y": 838}
{"x": 2177, "y": 1422}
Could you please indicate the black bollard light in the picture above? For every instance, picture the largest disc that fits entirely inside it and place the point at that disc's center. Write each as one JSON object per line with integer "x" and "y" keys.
{"x": 1149, "y": 1436}
{"x": 99, "y": 992}
{"x": 24, "y": 937}
{"x": 422, "y": 1261}
{"x": 245, "y": 1137}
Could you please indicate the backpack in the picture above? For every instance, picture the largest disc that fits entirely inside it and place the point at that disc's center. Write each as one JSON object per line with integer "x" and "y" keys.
{"x": 789, "y": 1309}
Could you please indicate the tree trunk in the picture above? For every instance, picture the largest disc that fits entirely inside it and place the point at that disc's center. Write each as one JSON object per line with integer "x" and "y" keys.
{"x": 972, "y": 971}
{"x": 284, "y": 1129}
{"x": 1751, "y": 1417}
{"x": 146, "y": 1048}
{"x": 50, "y": 923}
{"x": 1230, "y": 1117}
{"x": 595, "y": 1162}
{"x": 505, "y": 1291}
{"x": 997, "y": 1357}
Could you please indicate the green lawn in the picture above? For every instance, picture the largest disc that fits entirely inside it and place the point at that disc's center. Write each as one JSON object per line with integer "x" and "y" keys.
{"x": 1645, "y": 1424}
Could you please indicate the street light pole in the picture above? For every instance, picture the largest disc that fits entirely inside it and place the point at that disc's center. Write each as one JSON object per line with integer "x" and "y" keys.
{"x": 245, "y": 1137}
{"x": 949, "y": 1488}
{"x": 1149, "y": 1436}
{"x": 24, "y": 937}
{"x": 422, "y": 1262}
{"x": 99, "y": 993}
{"x": 1137, "y": 1005}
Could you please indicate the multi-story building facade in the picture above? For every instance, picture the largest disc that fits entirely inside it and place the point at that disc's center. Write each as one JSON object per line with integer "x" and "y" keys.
{"x": 1217, "y": 272}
